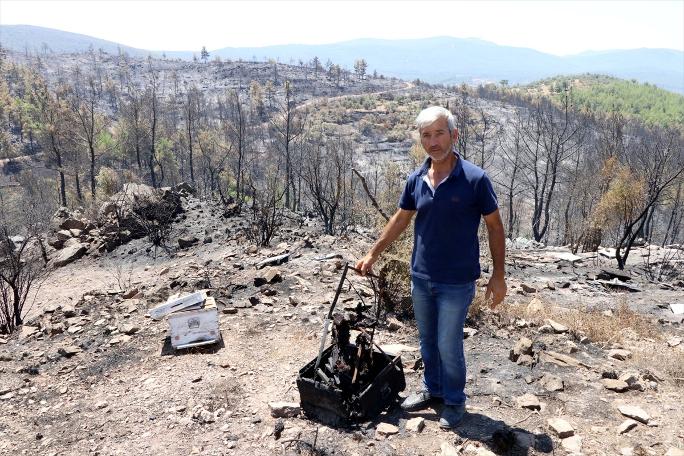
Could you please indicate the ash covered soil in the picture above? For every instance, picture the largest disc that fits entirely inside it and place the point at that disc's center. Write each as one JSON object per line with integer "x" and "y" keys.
{"x": 89, "y": 373}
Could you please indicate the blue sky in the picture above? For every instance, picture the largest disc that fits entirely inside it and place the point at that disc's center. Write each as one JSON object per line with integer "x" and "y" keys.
{"x": 557, "y": 27}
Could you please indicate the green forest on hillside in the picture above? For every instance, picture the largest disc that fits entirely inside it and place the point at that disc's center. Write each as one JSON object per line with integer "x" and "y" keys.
{"x": 599, "y": 93}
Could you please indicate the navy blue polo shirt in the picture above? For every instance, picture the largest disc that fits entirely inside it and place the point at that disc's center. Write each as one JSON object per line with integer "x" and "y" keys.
{"x": 445, "y": 244}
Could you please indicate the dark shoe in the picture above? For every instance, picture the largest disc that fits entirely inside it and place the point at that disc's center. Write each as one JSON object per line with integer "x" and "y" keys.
{"x": 418, "y": 401}
{"x": 452, "y": 415}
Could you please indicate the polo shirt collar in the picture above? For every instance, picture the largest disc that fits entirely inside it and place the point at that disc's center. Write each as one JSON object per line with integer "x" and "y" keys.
{"x": 454, "y": 172}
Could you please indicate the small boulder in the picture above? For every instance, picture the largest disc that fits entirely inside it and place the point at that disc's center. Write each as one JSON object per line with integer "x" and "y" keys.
{"x": 71, "y": 224}
{"x": 560, "y": 427}
{"x": 70, "y": 253}
{"x": 634, "y": 412}
{"x": 284, "y": 409}
{"x": 626, "y": 426}
{"x": 528, "y": 401}
{"x": 130, "y": 293}
{"x": 615, "y": 385}
{"x": 522, "y": 347}
{"x": 415, "y": 424}
{"x": 620, "y": 354}
{"x": 386, "y": 429}
{"x": 187, "y": 241}
{"x": 551, "y": 382}
{"x": 558, "y": 328}
{"x": 69, "y": 350}
{"x": 528, "y": 288}
{"x": 572, "y": 444}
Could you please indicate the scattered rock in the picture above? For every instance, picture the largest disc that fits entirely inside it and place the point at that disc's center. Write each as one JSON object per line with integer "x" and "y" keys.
{"x": 187, "y": 241}
{"x": 69, "y": 350}
{"x": 448, "y": 450}
{"x": 525, "y": 360}
{"x": 610, "y": 274}
{"x": 557, "y": 327}
{"x": 130, "y": 293}
{"x": 129, "y": 329}
{"x": 284, "y": 409}
{"x": 70, "y": 253}
{"x": 674, "y": 341}
{"x": 415, "y": 424}
{"x": 469, "y": 332}
{"x": 572, "y": 444}
{"x": 620, "y": 354}
{"x": 72, "y": 224}
{"x": 634, "y": 412}
{"x": 386, "y": 429}
{"x": 528, "y": 401}
{"x": 522, "y": 347}
{"x": 626, "y": 426}
{"x": 28, "y": 331}
{"x": 535, "y": 307}
{"x": 394, "y": 325}
{"x": 560, "y": 427}
{"x": 102, "y": 404}
{"x": 528, "y": 288}
{"x": 615, "y": 385}
{"x": 268, "y": 275}
{"x": 68, "y": 311}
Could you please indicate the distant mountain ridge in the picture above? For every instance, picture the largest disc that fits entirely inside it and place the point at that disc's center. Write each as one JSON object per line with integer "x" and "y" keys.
{"x": 444, "y": 60}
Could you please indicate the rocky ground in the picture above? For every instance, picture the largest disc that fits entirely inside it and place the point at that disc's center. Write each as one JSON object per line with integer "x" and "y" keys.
{"x": 573, "y": 363}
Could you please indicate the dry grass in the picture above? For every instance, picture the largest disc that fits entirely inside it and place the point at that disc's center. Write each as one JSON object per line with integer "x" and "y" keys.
{"x": 623, "y": 324}
{"x": 667, "y": 362}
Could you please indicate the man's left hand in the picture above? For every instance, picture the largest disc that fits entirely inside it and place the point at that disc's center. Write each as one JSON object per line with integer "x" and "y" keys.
{"x": 496, "y": 289}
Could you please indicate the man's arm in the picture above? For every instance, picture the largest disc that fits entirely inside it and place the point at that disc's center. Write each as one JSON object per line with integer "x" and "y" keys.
{"x": 497, "y": 245}
{"x": 396, "y": 225}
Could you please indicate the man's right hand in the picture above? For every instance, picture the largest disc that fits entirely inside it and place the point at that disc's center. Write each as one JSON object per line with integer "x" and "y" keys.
{"x": 365, "y": 264}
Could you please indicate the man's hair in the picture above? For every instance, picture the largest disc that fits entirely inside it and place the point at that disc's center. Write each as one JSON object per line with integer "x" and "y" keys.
{"x": 429, "y": 115}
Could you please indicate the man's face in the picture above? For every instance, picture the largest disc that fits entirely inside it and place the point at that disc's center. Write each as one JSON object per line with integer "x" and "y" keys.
{"x": 437, "y": 141}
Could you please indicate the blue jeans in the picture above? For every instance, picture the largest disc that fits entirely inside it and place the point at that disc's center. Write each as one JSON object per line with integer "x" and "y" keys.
{"x": 441, "y": 310}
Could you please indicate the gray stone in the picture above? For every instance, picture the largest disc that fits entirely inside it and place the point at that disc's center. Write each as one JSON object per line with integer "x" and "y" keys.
{"x": 525, "y": 360}
{"x": 415, "y": 424}
{"x": 63, "y": 235}
{"x": 551, "y": 382}
{"x": 572, "y": 444}
{"x": 560, "y": 427}
{"x": 187, "y": 241}
{"x": 28, "y": 331}
{"x": 620, "y": 354}
{"x": 130, "y": 293}
{"x": 522, "y": 347}
{"x": 69, "y": 350}
{"x": 615, "y": 385}
{"x": 71, "y": 224}
{"x": 626, "y": 426}
{"x": 267, "y": 275}
{"x": 386, "y": 429}
{"x": 634, "y": 412}
{"x": 129, "y": 328}
{"x": 69, "y": 254}
{"x": 284, "y": 409}
{"x": 528, "y": 288}
{"x": 558, "y": 328}
{"x": 528, "y": 401}
{"x": 469, "y": 332}
{"x": 69, "y": 311}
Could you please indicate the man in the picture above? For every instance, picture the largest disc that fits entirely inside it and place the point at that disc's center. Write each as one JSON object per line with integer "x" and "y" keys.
{"x": 448, "y": 195}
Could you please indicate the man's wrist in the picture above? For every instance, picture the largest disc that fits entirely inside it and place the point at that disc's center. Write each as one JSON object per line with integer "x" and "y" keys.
{"x": 498, "y": 274}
